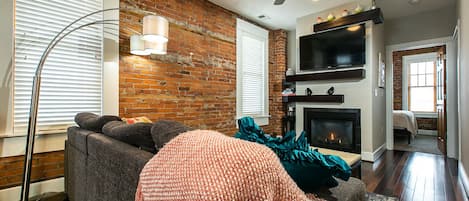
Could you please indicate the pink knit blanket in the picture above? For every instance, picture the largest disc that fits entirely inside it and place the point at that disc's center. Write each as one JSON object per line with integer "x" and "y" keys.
{"x": 207, "y": 165}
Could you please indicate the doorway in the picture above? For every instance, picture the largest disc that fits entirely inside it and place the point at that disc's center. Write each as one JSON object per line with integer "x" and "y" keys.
{"x": 419, "y": 100}
{"x": 445, "y": 94}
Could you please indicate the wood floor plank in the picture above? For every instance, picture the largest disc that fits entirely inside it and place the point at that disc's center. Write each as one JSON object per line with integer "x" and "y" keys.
{"x": 414, "y": 176}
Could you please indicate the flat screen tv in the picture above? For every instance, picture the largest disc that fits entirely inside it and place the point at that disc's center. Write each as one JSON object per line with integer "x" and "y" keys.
{"x": 340, "y": 48}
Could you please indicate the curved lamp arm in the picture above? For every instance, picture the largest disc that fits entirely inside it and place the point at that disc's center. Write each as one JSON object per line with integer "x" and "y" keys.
{"x": 36, "y": 91}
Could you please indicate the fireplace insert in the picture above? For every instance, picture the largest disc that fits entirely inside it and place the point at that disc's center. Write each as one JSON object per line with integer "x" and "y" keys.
{"x": 337, "y": 129}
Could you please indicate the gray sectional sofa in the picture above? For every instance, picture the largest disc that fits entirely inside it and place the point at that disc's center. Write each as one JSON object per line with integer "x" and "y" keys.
{"x": 101, "y": 168}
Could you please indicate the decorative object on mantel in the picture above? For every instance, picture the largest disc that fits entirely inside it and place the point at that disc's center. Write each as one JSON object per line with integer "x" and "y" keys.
{"x": 319, "y": 20}
{"x": 309, "y": 92}
{"x": 288, "y": 92}
{"x": 358, "y": 9}
{"x": 330, "y": 17}
{"x": 330, "y": 91}
{"x": 381, "y": 71}
{"x": 157, "y": 31}
{"x": 376, "y": 15}
{"x": 290, "y": 72}
{"x": 345, "y": 13}
{"x": 373, "y": 5}
{"x": 291, "y": 111}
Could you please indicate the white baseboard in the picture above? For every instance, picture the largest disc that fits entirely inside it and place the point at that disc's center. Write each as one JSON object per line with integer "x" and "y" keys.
{"x": 463, "y": 178}
{"x": 372, "y": 157}
{"x": 53, "y": 185}
{"x": 427, "y": 132}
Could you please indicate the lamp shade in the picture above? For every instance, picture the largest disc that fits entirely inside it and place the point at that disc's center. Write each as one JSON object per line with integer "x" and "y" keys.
{"x": 156, "y": 47}
{"x": 137, "y": 45}
{"x": 155, "y": 28}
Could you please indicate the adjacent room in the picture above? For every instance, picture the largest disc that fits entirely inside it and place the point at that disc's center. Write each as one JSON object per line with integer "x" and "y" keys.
{"x": 337, "y": 100}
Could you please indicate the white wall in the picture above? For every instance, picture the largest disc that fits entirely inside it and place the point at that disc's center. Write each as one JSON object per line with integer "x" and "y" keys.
{"x": 304, "y": 25}
{"x": 291, "y": 49}
{"x": 359, "y": 94}
{"x": 421, "y": 26}
{"x": 464, "y": 90}
{"x": 378, "y": 97}
{"x": 6, "y": 65}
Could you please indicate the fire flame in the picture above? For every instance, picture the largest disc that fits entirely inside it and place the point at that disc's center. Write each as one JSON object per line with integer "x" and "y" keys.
{"x": 332, "y": 136}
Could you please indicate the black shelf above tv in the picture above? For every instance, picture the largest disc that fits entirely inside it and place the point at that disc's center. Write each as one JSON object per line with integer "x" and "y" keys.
{"x": 314, "y": 98}
{"x": 334, "y": 75}
{"x": 376, "y": 15}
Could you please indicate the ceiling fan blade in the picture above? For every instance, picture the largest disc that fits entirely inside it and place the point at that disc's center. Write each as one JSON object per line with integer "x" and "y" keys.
{"x": 278, "y": 2}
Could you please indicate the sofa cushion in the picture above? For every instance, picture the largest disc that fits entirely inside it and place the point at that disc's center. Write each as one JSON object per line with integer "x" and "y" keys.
{"x": 93, "y": 122}
{"x": 138, "y": 134}
{"x": 135, "y": 120}
{"x": 165, "y": 130}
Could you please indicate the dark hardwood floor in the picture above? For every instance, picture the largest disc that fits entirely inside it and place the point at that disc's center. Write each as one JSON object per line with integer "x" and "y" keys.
{"x": 414, "y": 176}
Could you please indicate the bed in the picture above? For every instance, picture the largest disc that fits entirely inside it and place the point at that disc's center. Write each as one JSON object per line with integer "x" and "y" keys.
{"x": 405, "y": 124}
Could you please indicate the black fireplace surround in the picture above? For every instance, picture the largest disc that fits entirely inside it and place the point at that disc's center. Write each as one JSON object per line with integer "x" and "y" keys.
{"x": 332, "y": 128}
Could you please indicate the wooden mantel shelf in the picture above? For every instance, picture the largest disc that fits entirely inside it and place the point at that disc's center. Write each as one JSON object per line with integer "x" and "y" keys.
{"x": 335, "y": 75}
{"x": 376, "y": 15}
{"x": 315, "y": 99}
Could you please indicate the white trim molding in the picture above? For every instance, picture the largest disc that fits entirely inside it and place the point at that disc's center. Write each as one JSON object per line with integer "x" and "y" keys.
{"x": 406, "y": 61}
{"x": 247, "y": 32}
{"x": 372, "y": 157}
{"x": 38, "y": 188}
{"x": 463, "y": 178}
{"x": 427, "y": 132}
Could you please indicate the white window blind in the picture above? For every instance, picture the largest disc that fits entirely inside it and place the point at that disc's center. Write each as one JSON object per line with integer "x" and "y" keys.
{"x": 252, "y": 72}
{"x": 72, "y": 75}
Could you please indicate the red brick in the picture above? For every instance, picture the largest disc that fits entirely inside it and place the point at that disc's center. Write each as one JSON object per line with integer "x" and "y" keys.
{"x": 198, "y": 90}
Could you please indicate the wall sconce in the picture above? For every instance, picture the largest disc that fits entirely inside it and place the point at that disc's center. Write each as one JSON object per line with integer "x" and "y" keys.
{"x": 156, "y": 47}
{"x": 155, "y": 28}
{"x": 154, "y": 38}
{"x": 137, "y": 45}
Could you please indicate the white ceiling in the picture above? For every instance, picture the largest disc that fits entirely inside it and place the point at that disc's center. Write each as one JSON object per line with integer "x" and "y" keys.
{"x": 400, "y": 8}
{"x": 284, "y": 16}
{"x": 281, "y": 16}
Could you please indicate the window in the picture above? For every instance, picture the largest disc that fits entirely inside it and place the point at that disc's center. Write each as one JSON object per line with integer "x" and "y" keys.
{"x": 420, "y": 73}
{"x": 252, "y": 72}
{"x": 72, "y": 76}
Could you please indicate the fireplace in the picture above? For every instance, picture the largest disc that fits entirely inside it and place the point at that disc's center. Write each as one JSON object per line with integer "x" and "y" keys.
{"x": 337, "y": 129}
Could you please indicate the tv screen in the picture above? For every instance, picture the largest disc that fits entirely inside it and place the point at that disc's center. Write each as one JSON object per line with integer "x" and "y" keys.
{"x": 340, "y": 48}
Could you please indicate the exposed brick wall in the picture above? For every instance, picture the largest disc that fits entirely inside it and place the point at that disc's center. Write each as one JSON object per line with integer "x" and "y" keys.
{"x": 200, "y": 89}
{"x": 45, "y": 166}
{"x": 423, "y": 123}
{"x": 277, "y": 68}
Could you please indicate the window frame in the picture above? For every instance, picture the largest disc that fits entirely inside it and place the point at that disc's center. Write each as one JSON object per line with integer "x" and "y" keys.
{"x": 59, "y": 128}
{"x": 406, "y": 95}
{"x": 244, "y": 28}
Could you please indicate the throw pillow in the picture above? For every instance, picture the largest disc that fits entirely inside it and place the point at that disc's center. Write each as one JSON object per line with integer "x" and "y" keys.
{"x": 93, "y": 122}
{"x": 138, "y": 134}
{"x": 310, "y": 169}
{"x": 136, "y": 120}
{"x": 165, "y": 130}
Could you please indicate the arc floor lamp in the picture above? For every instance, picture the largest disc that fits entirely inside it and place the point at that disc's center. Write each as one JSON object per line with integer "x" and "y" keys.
{"x": 153, "y": 41}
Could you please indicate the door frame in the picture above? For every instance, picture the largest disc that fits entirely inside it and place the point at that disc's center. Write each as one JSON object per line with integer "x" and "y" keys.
{"x": 452, "y": 143}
